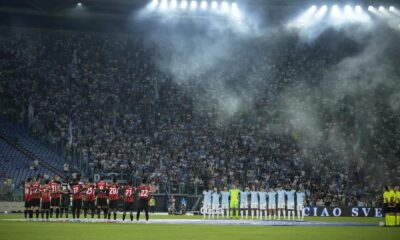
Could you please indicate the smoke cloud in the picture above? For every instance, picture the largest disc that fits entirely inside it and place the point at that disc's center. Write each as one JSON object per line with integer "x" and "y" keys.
{"x": 327, "y": 91}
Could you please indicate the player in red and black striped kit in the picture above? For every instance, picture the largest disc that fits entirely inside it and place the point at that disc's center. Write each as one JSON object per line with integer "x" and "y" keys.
{"x": 144, "y": 194}
{"x": 35, "y": 196}
{"x": 55, "y": 196}
{"x": 45, "y": 208}
{"x": 89, "y": 198}
{"x": 76, "y": 187}
{"x": 129, "y": 192}
{"x": 101, "y": 188}
{"x": 27, "y": 198}
{"x": 113, "y": 190}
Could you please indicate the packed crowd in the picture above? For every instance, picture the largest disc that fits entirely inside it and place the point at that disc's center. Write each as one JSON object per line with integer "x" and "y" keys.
{"x": 104, "y": 96}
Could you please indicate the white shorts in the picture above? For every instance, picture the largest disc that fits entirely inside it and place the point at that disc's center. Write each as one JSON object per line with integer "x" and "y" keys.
{"x": 290, "y": 205}
{"x": 244, "y": 205}
{"x": 207, "y": 205}
{"x": 263, "y": 206}
{"x": 254, "y": 205}
{"x": 225, "y": 206}
{"x": 300, "y": 207}
{"x": 215, "y": 206}
{"x": 281, "y": 205}
{"x": 271, "y": 206}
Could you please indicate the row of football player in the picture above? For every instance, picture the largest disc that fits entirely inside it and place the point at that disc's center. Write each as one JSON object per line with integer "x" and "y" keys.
{"x": 261, "y": 204}
{"x": 54, "y": 196}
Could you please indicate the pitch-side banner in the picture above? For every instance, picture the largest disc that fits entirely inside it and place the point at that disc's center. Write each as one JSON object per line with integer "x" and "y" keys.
{"x": 342, "y": 211}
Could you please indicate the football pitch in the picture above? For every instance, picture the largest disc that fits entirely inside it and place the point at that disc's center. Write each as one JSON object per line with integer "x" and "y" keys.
{"x": 11, "y": 227}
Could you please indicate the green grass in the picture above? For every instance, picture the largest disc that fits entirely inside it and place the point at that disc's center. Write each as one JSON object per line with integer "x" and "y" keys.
{"x": 97, "y": 231}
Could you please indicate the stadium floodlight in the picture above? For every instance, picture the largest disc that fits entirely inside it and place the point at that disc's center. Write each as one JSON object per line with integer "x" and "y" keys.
{"x": 164, "y": 5}
{"x": 193, "y": 5}
{"x": 154, "y": 3}
{"x": 214, "y": 5}
{"x": 358, "y": 9}
{"x": 79, "y": 4}
{"x": 335, "y": 11}
{"x": 224, "y": 6}
{"x": 234, "y": 6}
{"x": 321, "y": 12}
{"x": 371, "y": 8}
{"x": 313, "y": 8}
{"x": 381, "y": 8}
{"x": 235, "y": 13}
{"x": 391, "y": 8}
{"x": 173, "y": 4}
{"x": 204, "y": 5}
{"x": 184, "y": 4}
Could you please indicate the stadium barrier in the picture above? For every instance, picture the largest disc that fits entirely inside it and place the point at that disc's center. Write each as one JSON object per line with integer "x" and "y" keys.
{"x": 343, "y": 211}
{"x": 308, "y": 210}
{"x": 11, "y": 207}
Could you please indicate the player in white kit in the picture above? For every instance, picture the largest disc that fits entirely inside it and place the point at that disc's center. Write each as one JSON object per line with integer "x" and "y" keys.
{"x": 290, "y": 203}
{"x": 263, "y": 204}
{"x": 271, "y": 203}
{"x": 225, "y": 202}
{"x": 300, "y": 198}
{"x": 281, "y": 202}
{"x": 254, "y": 201}
{"x": 207, "y": 203}
{"x": 215, "y": 202}
{"x": 244, "y": 202}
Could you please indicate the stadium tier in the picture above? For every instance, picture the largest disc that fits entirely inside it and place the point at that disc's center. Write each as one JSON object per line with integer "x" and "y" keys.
{"x": 262, "y": 110}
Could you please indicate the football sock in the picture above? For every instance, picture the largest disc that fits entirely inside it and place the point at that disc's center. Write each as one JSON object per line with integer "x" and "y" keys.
{"x": 123, "y": 217}
{"x": 37, "y": 213}
{"x": 30, "y": 213}
{"x": 115, "y": 215}
{"x": 98, "y": 212}
{"x": 51, "y": 212}
{"x": 26, "y": 213}
{"x": 131, "y": 215}
{"x": 78, "y": 213}
{"x": 42, "y": 213}
{"x": 85, "y": 213}
{"x": 47, "y": 214}
{"x": 109, "y": 215}
{"x": 57, "y": 212}
{"x": 105, "y": 213}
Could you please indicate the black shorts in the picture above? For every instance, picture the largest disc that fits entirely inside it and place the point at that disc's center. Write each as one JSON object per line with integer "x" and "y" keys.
{"x": 45, "y": 205}
{"x": 390, "y": 209}
{"x": 65, "y": 201}
{"x": 28, "y": 204}
{"x": 128, "y": 206}
{"x": 55, "y": 202}
{"x": 143, "y": 204}
{"x": 89, "y": 204}
{"x": 113, "y": 204}
{"x": 35, "y": 202}
{"x": 77, "y": 203}
{"x": 102, "y": 203}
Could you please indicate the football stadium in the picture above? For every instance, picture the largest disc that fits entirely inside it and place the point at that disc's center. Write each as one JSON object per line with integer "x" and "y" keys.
{"x": 199, "y": 119}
